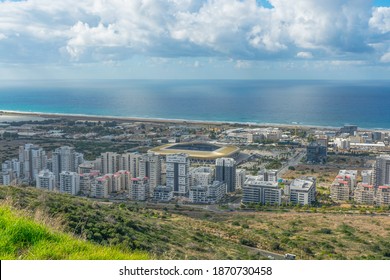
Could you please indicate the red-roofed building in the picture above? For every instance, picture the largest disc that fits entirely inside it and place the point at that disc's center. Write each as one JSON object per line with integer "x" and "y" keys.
{"x": 383, "y": 195}
{"x": 364, "y": 194}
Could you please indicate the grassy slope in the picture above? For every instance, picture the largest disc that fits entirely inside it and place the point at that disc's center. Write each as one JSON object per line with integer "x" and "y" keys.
{"x": 194, "y": 234}
{"x": 23, "y": 238}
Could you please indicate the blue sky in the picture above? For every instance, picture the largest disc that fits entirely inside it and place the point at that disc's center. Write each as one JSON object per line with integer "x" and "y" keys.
{"x": 195, "y": 39}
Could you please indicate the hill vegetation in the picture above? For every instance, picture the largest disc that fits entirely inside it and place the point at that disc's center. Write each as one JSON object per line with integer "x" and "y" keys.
{"x": 21, "y": 237}
{"x": 178, "y": 232}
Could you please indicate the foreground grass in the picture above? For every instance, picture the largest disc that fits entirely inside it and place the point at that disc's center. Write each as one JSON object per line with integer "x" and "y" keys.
{"x": 23, "y": 238}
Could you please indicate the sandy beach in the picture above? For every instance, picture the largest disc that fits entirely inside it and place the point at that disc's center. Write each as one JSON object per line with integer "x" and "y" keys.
{"x": 17, "y": 116}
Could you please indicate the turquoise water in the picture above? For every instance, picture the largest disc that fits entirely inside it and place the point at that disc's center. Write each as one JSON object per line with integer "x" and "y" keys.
{"x": 323, "y": 103}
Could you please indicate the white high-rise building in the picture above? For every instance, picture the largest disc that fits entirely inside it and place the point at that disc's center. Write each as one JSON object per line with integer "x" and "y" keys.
{"x": 32, "y": 160}
{"x": 69, "y": 182}
{"x": 46, "y": 180}
{"x": 177, "y": 166}
{"x": 139, "y": 189}
{"x": 122, "y": 180}
{"x": 110, "y": 162}
{"x": 66, "y": 159}
{"x": 150, "y": 167}
{"x": 202, "y": 176}
{"x": 130, "y": 162}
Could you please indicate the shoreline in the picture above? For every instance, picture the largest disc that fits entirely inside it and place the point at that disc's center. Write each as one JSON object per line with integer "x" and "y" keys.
{"x": 176, "y": 121}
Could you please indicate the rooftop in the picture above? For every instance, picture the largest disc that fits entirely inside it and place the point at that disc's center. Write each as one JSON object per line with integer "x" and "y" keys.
{"x": 196, "y": 150}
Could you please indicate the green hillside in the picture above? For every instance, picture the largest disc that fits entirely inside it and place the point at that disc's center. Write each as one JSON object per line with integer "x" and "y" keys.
{"x": 184, "y": 232}
{"x": 23, "y": 238}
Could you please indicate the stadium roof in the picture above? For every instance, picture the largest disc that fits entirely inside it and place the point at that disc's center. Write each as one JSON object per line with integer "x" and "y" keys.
{"x": 202, "y": 151}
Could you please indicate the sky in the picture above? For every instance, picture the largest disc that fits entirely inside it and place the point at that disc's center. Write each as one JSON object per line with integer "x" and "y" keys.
{"x": 195, "y": 39}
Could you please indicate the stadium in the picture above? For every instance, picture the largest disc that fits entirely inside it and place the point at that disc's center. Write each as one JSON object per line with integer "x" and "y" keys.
{"x": 198, "y": 152}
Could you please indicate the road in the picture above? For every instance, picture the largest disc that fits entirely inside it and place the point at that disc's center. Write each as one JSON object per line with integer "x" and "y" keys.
{"x": 295, "y": 160}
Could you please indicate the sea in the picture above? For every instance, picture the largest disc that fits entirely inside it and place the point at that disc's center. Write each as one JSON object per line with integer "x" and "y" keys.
{"x": 288, "y": 102}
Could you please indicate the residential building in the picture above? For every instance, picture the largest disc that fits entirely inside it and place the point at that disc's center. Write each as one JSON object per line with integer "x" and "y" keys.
{"x": 207, "y": 194}
{"x": 303, "y": 191}
{"x": 150, "y": 167}
{"x": 201, "y": 176}
{"x": 139, "y": 189}
{"x": 364, "y": 194}
{"x": 256, "y": 190}
{"x": 99, "y": 187}
{"x": 269, "y": 175}
{"x": 32, "y": 160}
{"x": 198, "y": 194}
{"x": 130, "y": 162}
{"x": 177, "y": 173}
{"x": 163, "y": 193}
{"x": 367, "y": 177}
{"x": 240, "y": 178}
{"x": 350, "y": 176}
{"x": 86, "y": 181}
{"x": 226, "y": 172}
{"x": 69, "y": 182}
{"x": 340, "y": 190}
{"x": 110, "y": 162}
{"x": 383, "y": 195}
{"x": 65, "y": 159}
{"x": 46, "y": 180}
{"x": 122, "y": 180}
{"x": 382, "y": 170}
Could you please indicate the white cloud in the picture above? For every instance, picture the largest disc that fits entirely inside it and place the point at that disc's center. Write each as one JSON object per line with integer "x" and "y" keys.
{"x": 380, "y": 19}
{"x": 385, "y": 58}
{"x": 94, "y": 30}
{"x": 306, "y": 55}
{"x": 243, "y": 64}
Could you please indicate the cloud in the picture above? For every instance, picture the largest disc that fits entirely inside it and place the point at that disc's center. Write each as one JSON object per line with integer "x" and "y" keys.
{"x": 385, "y": 58}
{"x": 243, "y": 64}
{"x": 306, "y": 55}
{"x": 95, "y": 30}
{"x": 380, "y": 20}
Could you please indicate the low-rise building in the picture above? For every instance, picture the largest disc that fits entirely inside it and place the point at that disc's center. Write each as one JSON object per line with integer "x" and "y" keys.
{"x": 303, "y": 191}
{"x": 207, "y": 194}
{"x": 163, "y": 194}
{"x": 256, "y": 190}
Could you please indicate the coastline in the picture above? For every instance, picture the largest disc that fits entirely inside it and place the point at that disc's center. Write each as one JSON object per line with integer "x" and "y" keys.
{"x": 43, "y": 115}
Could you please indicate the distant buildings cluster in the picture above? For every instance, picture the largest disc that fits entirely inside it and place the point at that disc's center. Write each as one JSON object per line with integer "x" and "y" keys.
{"x": 129, "y": 175}
{"x": 264, "y": 189}
{"x": 374, "y": 189}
